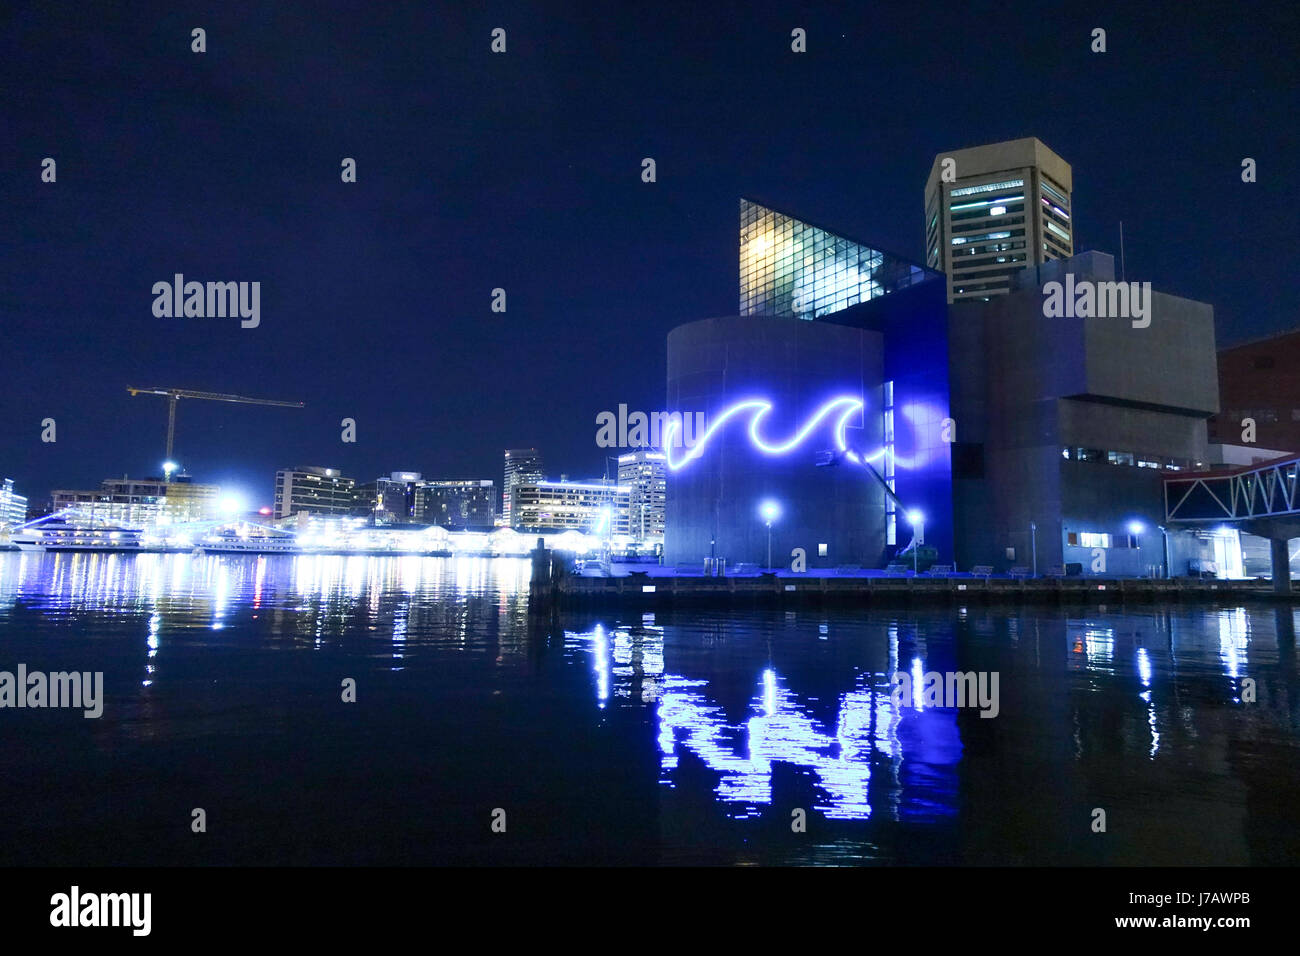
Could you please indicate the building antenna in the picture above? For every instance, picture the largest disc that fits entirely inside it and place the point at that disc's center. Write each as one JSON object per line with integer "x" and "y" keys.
{"x": 1122, "y": 276}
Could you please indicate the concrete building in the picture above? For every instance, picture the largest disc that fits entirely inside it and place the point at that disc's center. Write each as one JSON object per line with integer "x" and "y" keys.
{"x": 144, "y": 502}
{"x": 836, "y": 338}
{"x": 522, "y": 466}
{"x": 317, "y": 490}
{"x": 1066, "y": 426}
{"x": 645, "y": 472}
{"x": 993, "y": 210}
{"x": 1259, "y": 388}
{"x": 1006, "y": 431}
{"x": 13, "y": 506}
{"x": 594, "y": 507}
{"x": 460, "y": 505}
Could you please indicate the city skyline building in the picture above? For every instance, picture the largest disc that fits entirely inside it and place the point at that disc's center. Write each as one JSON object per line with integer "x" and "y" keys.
{"x": 522, "y": 465}
{"x": 993, "y": 210}
{"x": 13, "y": 506}
{"x": 645, "y": 471}
{"x": 1259, "y": 381}
{"x": 460, "y": 503}
{"x": 144, "y": 502}
{"x": 595, "y": 507}
{"x": 314, "y": 489}
{"x": 397, "y": 498}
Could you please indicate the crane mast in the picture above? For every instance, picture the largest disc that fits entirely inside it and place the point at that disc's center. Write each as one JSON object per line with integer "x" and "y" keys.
{"x": 173, "y": 395}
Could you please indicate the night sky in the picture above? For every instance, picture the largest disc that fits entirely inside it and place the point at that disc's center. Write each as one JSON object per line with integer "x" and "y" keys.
{"x": 522, "y": 171}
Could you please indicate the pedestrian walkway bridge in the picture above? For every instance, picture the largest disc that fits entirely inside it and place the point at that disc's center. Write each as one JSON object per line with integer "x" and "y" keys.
{"x": 1262, "y": 499}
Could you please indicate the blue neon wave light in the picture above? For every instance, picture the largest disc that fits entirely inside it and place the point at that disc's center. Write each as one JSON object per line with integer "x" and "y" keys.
{"x": 759, "y": 409}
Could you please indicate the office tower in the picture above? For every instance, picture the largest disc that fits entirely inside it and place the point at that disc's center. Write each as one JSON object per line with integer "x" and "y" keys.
{"x": 594, "y": 507}
{"x": 523, "y": 465}
{"x": 460, "y": 504}
{"x": 322, "y": 491}
{"x": 645, "y": 473}
{"x": 992, "y": 211}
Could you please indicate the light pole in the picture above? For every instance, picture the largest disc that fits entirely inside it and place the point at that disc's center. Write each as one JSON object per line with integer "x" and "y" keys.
{"x": 1165, "y": 534}
{"x": 1033, "y": 544}
{"x": 770, "y": 511}
{"x": 917, "y": 520}
{"x": 1135, "y": 528}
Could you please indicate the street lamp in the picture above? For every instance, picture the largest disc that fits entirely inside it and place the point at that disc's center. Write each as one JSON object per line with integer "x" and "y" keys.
{"x": 1135, "y": 528}
{"x": 168, "y": 468}
{"x": 917, "y": 521}
{"x": 770, "y": 511}
{"x": 1033, "y": 544}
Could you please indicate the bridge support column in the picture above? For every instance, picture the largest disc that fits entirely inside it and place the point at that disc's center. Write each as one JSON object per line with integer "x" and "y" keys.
{"x": 1281, "y": 554}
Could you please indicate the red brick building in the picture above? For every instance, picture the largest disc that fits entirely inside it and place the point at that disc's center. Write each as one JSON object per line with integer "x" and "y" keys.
{"x": 1260, "y": 380}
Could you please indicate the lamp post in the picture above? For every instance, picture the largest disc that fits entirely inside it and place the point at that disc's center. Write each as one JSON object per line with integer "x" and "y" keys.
{"x": 770, "y": 511}
{"x": 1033, "y": 544}
{"x": 917, "y": 520}
{"x": 1135, "y": 528}
{"x": 1165, "y": 534}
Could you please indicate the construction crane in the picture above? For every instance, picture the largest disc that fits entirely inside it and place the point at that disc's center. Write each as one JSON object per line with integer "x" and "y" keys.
{"x": 173, "y": 395}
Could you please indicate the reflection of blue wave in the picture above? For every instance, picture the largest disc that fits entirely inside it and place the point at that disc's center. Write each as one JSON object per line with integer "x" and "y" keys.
{"x": 919, "y": 749}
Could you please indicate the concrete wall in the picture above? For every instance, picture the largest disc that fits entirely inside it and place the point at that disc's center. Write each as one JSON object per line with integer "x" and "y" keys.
{"x": 713, "y": 502}
{"x": 1049, "y": 383}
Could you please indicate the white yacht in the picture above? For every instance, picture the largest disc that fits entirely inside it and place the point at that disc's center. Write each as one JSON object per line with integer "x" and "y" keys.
{"x": 59, "y": 533}
{"x": 254, "y": 540}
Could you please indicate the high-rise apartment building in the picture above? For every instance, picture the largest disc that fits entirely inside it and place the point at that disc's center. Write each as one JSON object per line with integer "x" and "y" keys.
{"x": 322, "y": 491}
{"x": 523, "y": 466}
{"x": 646, "y": 474}
{"x": 992, "y": 210}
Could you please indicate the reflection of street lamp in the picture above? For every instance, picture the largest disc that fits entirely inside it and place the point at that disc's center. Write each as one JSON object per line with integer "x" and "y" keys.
{"x": 770, "y": 511}
{"x": 917, "y": 521}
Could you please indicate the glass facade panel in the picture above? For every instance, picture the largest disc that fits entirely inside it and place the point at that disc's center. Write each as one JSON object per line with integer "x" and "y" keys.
{"x": 790, "y": 268}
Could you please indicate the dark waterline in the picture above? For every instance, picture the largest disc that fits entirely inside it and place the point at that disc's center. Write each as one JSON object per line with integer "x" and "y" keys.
{"x": 669, "y": 738}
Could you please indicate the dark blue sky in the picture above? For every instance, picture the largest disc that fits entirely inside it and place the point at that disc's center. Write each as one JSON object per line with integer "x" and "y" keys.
{"x": 522, "y": 171}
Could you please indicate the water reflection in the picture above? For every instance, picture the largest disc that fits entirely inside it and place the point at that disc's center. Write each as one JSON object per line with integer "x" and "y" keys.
{"x": 865, "y": 731}
{"x": 1184, "y": 720}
